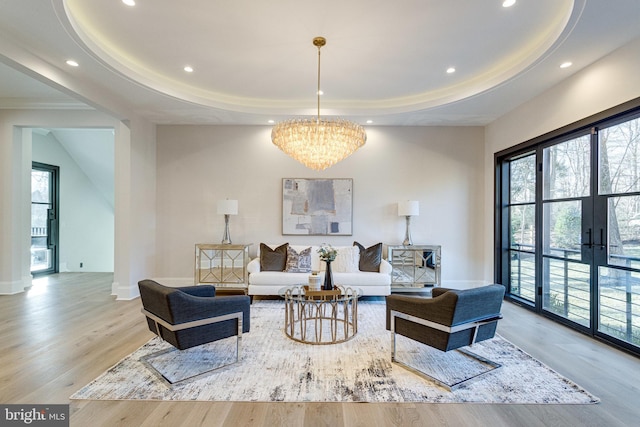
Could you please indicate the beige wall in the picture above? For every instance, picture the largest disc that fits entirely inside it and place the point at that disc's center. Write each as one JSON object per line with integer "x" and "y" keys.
{"x": 611, "y": 81}
{"x": 442, "y": 167}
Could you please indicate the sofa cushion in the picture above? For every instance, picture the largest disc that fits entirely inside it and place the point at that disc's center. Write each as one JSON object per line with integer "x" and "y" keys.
{"x": 354, "y": 280}
{"x": 298, "y": 262}
{"x": 370, "y": 258}
{"x": 347, "y": 260}
{"x": 273, "y": 259}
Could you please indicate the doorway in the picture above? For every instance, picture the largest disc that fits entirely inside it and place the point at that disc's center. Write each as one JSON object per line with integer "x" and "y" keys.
{"x": 45, "y": 196}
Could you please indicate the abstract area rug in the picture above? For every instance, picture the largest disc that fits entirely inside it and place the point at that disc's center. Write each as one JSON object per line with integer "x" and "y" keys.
{"x": 274, "y": 368}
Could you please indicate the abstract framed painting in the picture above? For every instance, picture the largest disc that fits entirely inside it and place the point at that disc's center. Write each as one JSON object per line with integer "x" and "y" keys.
{"x": 317, "y": 207}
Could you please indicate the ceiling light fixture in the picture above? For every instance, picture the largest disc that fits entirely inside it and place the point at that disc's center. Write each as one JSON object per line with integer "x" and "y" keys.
{"x": 318, "y": 143}
{"x": 188, "y": 69}
{"x": 72, "y": 63}
{"x": 129, "y": 2}
{"x": 508, "y": 3}
{"x": 566, "y": 64}
{"x": 451, "y": 70}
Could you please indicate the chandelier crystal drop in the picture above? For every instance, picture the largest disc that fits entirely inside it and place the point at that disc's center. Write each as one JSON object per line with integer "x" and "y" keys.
{"x": 318, "y": 142}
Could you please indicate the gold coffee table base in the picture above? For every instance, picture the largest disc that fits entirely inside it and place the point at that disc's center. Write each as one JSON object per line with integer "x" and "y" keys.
{"x": 320, "y": 317}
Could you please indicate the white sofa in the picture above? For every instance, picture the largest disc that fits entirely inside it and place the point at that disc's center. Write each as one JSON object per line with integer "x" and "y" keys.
{"x": 270, "y": 282}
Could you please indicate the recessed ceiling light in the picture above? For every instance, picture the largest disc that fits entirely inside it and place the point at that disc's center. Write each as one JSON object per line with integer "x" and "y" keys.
{"x": 72, "y": 63}
{"x": 451, "y": 70}
{"x": 320, "y": 92}
{"x": 188, "y": 69}
{"x": 369, "y": 122}
{"x": 129, "y": 2}
{"x": 271, "y": 121}
{"x": 566, "y": 64}
{"x": 508, "y": 3}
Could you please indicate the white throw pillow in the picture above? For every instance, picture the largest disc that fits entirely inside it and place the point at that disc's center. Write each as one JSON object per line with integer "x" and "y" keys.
{"x": 347, "y": 260}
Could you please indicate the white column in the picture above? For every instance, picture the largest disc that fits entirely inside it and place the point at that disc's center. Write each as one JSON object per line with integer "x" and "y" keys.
{"x": 135, "y": 207}
{"x": 15, "y": 155}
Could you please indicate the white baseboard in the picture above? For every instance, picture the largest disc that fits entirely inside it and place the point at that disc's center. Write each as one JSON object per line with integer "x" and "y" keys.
{"x": 14, "y": 287}
{"x": 174, "y": 281}
{"x": 463, "y": 284}
{"x": 453, "y": 284}
{"x": 124, "y": 293}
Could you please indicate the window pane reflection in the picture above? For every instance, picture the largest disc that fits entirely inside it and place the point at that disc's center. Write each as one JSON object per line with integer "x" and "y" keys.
{"x": 624, "y": 231}
{"x": 619, "y": 154}
{"x": 563, "y": 229}
{"x": 567, "y": 290}
{"x": 619, "y": 311}
{"x": 522, "y": 180}
{"x": 567, "y": 169}
{"x": 522, "y": 222}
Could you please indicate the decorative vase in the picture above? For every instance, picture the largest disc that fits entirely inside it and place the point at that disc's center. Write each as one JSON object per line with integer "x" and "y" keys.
{"x": 328, "y": 278}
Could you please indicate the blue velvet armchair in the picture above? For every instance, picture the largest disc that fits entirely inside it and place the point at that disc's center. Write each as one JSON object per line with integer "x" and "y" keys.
{"x": 450, "y": 320}
{"x": 190, "y": 316}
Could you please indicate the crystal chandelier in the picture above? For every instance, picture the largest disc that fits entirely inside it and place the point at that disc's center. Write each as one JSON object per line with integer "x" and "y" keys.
{"x": 318, "y": 143}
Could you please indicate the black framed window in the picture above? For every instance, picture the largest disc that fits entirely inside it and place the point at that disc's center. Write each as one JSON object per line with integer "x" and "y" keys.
{"x": 568, "y": 225}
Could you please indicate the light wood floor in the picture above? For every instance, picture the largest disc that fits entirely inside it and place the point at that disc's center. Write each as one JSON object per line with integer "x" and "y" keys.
{"x": 67, "y": 329}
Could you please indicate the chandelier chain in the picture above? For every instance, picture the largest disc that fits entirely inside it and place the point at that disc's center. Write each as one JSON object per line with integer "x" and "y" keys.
{"x": 318, "y": 93}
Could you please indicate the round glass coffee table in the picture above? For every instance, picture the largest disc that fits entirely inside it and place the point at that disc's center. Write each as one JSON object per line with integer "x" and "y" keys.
{"x": 320, "y": 317}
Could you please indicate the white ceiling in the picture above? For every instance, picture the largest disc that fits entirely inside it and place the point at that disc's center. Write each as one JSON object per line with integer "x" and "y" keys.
{"x": 254, "y": 61}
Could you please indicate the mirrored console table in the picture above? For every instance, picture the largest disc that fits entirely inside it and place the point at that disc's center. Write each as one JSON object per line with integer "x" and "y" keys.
{"x": 414, "y": 267}
{"x": 222, "y": 265}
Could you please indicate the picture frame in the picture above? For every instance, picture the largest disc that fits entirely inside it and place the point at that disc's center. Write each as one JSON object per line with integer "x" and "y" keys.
{"x": 317, "y": 206}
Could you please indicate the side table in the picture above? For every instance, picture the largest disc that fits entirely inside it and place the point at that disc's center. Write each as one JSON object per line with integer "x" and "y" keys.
{"x": 222, "y": 265}
{"x": 414, "y": 267}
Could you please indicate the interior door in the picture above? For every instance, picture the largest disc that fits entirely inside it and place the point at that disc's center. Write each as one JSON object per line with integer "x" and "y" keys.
{"x": 44, "y": 219}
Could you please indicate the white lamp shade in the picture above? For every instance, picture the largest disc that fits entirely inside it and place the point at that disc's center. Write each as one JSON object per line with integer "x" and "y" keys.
{"x": 228, "y": 207}
{"x": 410, "y": 207}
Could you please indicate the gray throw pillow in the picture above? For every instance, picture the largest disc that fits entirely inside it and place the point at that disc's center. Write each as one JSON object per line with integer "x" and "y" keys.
{"x": 273, "y": 259}
{"x": 298, "y": 262}
{"x": 370, "y": 258}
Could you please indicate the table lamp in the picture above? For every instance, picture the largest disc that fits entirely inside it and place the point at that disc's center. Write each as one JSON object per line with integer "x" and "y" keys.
{"x": 408, "y": 209}
{"x": 227, "y": 207}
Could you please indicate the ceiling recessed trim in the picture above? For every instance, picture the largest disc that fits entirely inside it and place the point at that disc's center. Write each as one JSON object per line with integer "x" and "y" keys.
{"x": 39, "y": 104}
{"x": 119, "y": 60}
